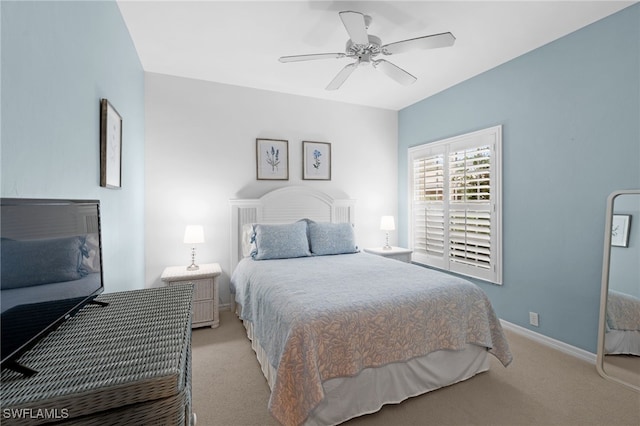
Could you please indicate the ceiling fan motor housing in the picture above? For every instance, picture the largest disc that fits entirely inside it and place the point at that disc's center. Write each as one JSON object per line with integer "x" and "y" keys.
{"x": 364, "y": 52}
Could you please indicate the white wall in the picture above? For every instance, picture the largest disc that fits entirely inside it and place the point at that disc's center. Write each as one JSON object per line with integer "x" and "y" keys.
{"x": 200, "y": 153}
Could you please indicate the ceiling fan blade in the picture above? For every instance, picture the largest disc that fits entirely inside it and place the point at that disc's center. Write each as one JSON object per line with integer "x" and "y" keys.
{"x": 356, "y": 26}
{"x": 342, "y": 76}
{"x": 394, "y": 71}
{"x": 297, "y": 58}
{"x": 426, "y": 42}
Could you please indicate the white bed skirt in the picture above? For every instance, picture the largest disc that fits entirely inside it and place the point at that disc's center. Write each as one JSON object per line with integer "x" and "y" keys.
{"x": 348, "y": 397}
{"x": 625, "y": 342}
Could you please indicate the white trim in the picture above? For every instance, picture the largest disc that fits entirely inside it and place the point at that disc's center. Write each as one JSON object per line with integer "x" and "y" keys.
{"x": 492, "y": 137}
{"x": 549, "y": 342}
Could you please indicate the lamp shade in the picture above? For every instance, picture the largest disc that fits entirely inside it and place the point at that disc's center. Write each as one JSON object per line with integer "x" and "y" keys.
{"x": 194, "y": 234}
{"x": 387, "y": 223}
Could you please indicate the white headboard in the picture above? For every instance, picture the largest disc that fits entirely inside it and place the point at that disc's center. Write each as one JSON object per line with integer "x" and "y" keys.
{"x": 286, "y": 205}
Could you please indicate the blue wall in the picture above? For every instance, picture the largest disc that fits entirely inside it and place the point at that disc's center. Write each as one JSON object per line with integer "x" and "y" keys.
{"x": 570, "y": 112}
{"x": 58, "y": 60}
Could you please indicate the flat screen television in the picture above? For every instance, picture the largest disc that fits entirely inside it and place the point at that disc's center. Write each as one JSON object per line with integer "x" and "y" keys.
{"x": 50, "y": 267}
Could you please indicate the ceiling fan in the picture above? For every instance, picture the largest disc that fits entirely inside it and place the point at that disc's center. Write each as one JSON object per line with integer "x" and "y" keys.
{"x": 364, "y": 48}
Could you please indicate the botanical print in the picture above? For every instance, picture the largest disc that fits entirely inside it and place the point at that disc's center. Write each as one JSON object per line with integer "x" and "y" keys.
{"x": 620, "y": 230}
{"x": 316, "y": 160}
{"x": 272, "y": 159}
{"x": 110, "y": 145}
{"x": 113, "y": 148}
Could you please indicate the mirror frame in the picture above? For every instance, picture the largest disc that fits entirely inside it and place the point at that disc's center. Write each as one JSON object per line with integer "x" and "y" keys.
{"x": 604, "y": 292}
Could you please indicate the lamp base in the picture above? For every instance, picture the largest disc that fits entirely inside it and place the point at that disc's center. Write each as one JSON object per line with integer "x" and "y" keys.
{"x": 193, "y": 266}
{"x": 386, "y": 243}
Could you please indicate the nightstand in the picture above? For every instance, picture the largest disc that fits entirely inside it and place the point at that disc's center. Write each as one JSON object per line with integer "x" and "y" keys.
{"x": 205, "y": 291}
{"x": 396, "y": 253}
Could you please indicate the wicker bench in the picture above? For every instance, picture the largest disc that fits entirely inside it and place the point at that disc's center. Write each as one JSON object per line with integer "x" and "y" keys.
{"x": 125, "y": 363}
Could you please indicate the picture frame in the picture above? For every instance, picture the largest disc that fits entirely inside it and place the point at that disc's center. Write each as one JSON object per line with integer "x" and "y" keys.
{"x": 316, "y": 160}
{"x": 620, "y": 230}
{"x": 110, "y": 146}
{"x": 272, "y": 159}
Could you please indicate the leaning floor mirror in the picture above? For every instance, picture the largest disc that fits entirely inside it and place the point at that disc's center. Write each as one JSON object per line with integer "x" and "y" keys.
{"x": 619, "y": 327}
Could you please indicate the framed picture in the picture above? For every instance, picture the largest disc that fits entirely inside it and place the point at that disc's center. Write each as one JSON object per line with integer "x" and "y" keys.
{"x": 316, "y": 160}
{"x": 620, "y": 230}
{"x": 272, "y": 159}
{"x": 110, "y": 146}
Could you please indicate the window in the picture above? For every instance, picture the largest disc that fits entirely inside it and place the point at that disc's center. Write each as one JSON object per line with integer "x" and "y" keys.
{"x": 455, "y": 204}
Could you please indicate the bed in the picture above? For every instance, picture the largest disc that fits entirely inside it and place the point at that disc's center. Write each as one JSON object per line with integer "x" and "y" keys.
{"x": 623, "y": 324}
{"x": 339, "y": 333}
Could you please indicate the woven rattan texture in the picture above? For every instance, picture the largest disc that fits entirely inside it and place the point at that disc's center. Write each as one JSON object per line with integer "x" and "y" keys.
{"x": 105, "y": 363}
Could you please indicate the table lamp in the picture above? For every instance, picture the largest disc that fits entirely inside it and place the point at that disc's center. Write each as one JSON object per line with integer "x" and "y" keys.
{"x": 193, "y": 234}
{"x": 387, "y": 224}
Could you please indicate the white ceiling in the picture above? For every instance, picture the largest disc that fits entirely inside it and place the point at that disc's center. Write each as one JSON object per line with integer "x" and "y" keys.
{"x": 239, "y": 42}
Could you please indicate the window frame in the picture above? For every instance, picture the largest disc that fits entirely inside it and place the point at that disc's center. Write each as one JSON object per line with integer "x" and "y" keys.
{"x": 491, "y": 137}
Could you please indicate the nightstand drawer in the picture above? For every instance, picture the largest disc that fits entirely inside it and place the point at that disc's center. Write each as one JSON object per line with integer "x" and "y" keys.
{"x": 202, "y": 289}
{"x": 202, "y": 312}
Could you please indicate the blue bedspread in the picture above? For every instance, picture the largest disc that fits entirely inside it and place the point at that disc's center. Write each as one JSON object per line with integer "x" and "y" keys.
{"x": 331, "y": 316}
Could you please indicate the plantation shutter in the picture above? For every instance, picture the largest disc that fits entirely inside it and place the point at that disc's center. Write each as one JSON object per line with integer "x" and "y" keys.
{"x": 470, "y": 208}
{"x": 455, "y": 213}
{"x": 428, "y": 208}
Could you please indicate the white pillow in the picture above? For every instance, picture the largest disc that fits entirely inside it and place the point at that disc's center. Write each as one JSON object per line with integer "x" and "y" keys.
{"x": 247, "y": 239}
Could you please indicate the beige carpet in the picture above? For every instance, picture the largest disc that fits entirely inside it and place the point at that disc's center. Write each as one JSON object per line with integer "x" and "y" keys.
{"x": 541, "y": 387}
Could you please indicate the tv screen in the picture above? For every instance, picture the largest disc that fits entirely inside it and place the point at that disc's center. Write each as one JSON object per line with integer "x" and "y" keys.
{"x": 50, "y": 266}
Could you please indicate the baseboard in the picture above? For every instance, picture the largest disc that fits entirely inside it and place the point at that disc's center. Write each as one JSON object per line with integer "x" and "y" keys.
{"x": 552, "y": 343}
{"x": 224, "y": 306}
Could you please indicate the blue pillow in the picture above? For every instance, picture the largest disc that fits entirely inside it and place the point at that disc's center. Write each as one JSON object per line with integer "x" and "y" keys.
{"x": 332, "y": 238}
{"x": 280, "y": 241}
{"x": 34, "y": 262}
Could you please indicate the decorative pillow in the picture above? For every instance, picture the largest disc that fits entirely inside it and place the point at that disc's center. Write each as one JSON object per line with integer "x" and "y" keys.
{"x": 91, "y": 259}
{"x": 332, "y": 238}
{"x": 247, "y": 239}
{"x": 34, "y": 262}
{"x": 280, "y": 241}
{"x": 308, "y": 222}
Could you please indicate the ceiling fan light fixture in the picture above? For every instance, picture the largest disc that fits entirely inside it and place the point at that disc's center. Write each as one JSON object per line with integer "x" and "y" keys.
{"x": 367, "y": 21}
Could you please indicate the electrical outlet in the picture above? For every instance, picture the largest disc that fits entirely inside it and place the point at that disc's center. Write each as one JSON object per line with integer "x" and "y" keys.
{"x": 533, "y": 319}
